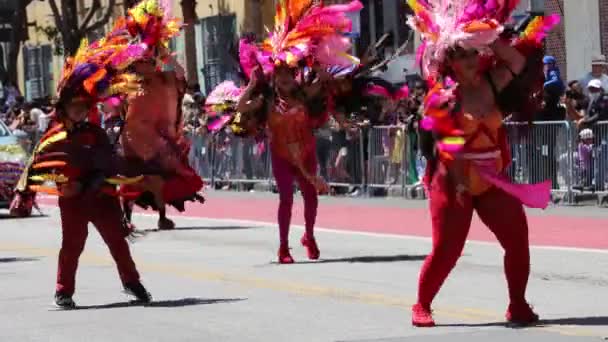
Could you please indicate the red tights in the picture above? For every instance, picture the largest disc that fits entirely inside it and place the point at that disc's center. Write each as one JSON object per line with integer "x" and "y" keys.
{"x": 505, "y": 217}
{"x": 285, "y": 174}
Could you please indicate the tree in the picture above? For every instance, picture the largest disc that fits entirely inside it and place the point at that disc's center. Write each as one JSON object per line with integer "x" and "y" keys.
{"x": 189, "y": 14}
{"x": 18, "y": 35}
{"x": 69, "y": 25}
{"x": 254, "y": 17}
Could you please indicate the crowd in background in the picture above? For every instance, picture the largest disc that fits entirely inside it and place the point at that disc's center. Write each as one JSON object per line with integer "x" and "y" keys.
{"x": 381, "y": 148}
{"x": 27, "y": 120}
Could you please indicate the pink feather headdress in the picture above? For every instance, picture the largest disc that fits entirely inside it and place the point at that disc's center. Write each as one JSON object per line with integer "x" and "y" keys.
{"x": 250, "y": 56}
{"x": 444, "y": 24}
{"x": 307, "y": 28}
{"x": 223, "y": 98}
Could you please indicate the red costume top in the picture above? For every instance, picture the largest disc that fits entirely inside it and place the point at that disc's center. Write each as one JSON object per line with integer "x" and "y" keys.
{"x": 290, "y": 126}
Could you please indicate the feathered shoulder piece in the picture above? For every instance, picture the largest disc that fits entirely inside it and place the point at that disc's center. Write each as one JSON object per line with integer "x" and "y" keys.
{"x": 537, "y": 30}
{"x": 51, "y": 165}
{"x": 307, "y": 28}
{"x": 440, "y": 111}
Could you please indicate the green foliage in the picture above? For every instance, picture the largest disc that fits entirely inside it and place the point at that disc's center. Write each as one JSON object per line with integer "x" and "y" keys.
{"x": 53, "y": 35}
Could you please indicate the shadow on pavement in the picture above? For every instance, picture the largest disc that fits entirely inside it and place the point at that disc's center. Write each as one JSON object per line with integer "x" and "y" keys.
{"x": 579, "y": 321}
{"x": 583, "y": 321}
{"x": 6, "y": 216}
{"x": 177, "y": 229}
{"x": 365, "y": 259}
{"x": 475, "y": 325}
{"x": 175, "y": 303}
{"x": 7, "y": 260}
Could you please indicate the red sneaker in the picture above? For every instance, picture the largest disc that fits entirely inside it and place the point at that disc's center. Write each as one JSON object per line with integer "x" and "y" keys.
{"x": 285, "y": 256}
{"x": 311, "y": 247}
{"x": 521, "y": 314}
{"x": 422, "y": 317}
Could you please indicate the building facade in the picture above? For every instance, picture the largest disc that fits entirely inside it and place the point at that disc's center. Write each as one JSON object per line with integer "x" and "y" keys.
{"x": 40, "y": 61}
{"x": 218, "y": 25}
{"x": 583, "y": 33}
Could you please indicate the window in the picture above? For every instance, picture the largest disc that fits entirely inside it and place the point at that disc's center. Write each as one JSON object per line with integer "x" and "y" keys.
{"x": 37, "y": 61}
{"x": 218, "y": 33}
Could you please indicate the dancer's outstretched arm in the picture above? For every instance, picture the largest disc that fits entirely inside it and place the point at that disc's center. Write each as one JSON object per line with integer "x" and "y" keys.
{"x": 248, "y": 102}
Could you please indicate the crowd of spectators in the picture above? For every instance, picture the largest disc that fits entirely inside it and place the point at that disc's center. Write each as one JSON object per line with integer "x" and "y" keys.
{"x": 381, "y": 147}
{"x": 27, "y": 120}
{"x": 381, "y": 150}
{"x": 581, "y": 103}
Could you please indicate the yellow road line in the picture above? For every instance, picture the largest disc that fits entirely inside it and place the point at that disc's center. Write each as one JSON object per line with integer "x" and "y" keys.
{"x": 298, "y": 288}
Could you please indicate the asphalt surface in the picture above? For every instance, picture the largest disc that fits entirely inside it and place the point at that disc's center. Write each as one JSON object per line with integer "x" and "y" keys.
{"x": 217, "y": 280}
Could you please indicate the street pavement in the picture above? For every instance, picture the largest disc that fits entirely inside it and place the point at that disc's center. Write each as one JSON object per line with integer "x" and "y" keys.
{"x": 215, "y": 278}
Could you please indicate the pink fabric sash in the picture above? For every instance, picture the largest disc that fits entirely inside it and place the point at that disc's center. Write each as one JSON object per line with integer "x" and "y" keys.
{"x": 530, "y": 195}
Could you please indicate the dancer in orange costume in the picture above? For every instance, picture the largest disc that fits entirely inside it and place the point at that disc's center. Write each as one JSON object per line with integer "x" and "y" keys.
{"x": 308, "y": 36}
{"x": 463, "y": 117}
{"x": 153, "y": 125}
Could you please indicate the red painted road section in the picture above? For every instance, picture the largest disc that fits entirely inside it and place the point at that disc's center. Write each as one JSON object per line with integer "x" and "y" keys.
{"x": 554, "y": 230}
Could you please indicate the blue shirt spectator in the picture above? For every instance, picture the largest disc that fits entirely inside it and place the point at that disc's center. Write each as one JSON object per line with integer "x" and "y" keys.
{"x": 553, "y": 79}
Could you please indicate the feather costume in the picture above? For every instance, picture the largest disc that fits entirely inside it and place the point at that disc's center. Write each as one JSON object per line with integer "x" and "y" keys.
{"x": 99, "y": 72}
{"x": 303, "y": 29}
{"x": 469, "y": 24}
{"x": 221, "y": 105}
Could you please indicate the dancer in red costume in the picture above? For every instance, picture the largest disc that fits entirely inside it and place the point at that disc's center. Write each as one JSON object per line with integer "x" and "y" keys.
{"x": 153, "y": 126}
{"x": 466, "y": 164}
{"x": 293, "y": 149}
{"x": 153, "y": 133}
{"x": 306, "y": 33}
{"x": 78, "y": 158}
{"x": 83, "y": 200}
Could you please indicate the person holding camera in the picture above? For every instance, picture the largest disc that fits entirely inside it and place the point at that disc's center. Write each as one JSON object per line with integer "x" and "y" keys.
{"x": 576, "y": 101}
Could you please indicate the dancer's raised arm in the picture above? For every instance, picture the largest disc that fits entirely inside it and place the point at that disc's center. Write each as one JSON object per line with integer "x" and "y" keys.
{"x": 510, "y": 63}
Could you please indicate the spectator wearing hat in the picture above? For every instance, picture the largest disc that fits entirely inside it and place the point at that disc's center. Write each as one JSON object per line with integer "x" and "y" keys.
{"x": 598, "y": 111}
{"x": 598, "y": 71}
{"x": 598, "y": 104}
{"x": 553, "y": 89}
{"x": 553, "y": 78}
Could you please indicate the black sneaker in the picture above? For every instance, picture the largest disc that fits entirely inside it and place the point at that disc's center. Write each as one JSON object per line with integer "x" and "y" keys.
{"x": 64, "y": 301}
{"x": 165, "y": 224}
{"x": 138, "y": 291}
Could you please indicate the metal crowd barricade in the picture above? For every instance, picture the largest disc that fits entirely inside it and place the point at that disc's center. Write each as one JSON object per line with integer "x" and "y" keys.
{"x": 240, "y": 162}
{"x": 201, "y": 155}
{"x": 542, "y": 151}
{"x": 388, "y": 158}
{"x": 344, "y": 164}
{"x": 599, "y": 158}
{"x": 384, "y": 159}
